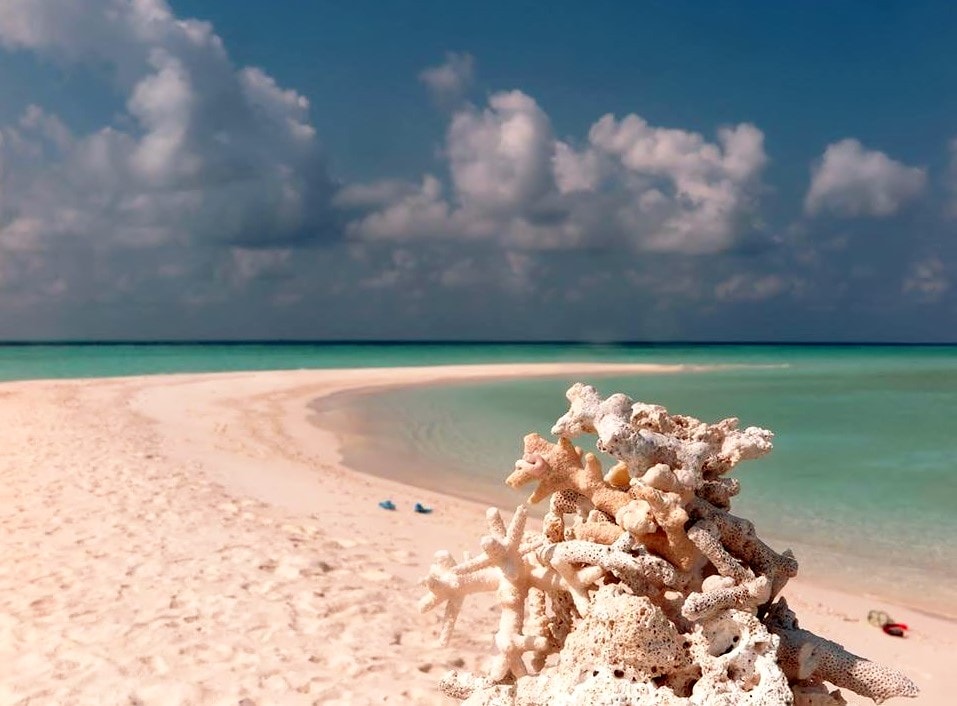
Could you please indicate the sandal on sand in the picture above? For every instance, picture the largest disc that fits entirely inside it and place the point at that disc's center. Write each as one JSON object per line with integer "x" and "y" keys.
{"x": 387, "y": 505}
{"x": 882, "y": 620}
{"x": 422, "y": 509}
{"x": 894, "y": 629}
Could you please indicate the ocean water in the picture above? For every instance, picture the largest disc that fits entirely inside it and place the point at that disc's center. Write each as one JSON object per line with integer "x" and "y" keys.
{"x": 40, "y": 361}
{"x": 862, "y": 482}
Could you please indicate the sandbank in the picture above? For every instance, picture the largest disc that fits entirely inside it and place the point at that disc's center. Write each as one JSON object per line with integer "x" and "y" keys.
{"x": 194, "y": 539}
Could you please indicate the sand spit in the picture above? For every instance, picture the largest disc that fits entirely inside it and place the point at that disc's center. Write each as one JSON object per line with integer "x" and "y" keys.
{"x": 193, "y": 539}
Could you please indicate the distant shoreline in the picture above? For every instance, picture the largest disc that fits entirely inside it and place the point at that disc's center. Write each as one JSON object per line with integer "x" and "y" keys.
{"x": 440, "y": 342}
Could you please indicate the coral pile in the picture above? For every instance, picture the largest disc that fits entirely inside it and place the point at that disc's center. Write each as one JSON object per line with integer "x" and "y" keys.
{"x": 642, "y": 588}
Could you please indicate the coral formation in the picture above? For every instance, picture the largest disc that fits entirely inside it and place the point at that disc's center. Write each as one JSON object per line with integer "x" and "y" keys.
{"x": 642, "y": 588}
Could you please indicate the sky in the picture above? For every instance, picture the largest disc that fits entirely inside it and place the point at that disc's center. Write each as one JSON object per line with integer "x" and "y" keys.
{"x": 426, "y": 170}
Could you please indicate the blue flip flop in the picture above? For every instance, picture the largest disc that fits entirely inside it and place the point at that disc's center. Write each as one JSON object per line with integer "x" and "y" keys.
{"x": 387, "y": 505}
{"x": 422, "y": 509}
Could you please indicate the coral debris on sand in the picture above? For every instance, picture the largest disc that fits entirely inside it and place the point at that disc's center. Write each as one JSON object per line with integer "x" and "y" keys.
{"x": 642, "y": 587}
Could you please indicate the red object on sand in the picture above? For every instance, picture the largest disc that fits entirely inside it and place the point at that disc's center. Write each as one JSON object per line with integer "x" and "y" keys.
{"x": 895, "y": 629}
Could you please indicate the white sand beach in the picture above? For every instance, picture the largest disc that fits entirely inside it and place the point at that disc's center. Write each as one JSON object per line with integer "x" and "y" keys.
{"x": 194, "y": 539}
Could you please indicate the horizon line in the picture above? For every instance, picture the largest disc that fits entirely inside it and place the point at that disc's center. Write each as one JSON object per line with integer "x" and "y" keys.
{"x": 453, "y": 342}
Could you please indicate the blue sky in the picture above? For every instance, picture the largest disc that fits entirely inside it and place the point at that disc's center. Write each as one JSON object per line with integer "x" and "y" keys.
{"x": 640, "y": 171}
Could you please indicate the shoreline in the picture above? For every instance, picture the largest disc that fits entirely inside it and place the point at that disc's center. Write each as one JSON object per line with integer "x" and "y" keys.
{"x": 354, "y": 425}
{"x": 196, "y": 539}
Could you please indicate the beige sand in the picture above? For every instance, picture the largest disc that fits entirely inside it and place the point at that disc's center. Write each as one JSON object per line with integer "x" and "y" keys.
{"x": 195, "y": 540}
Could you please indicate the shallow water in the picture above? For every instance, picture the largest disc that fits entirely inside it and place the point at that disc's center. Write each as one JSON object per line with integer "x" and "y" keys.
{"x": 35, "y": 361}
{"x": 862, "y": 481}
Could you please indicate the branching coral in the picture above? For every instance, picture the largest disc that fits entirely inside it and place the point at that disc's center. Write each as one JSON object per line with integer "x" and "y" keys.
{"x": 504, "y": 566}
{"x": 561, "y": 467}
{"x": 723, "y": 594}
{"x": 737, "y": 536}
{"x": 808, "y": 657}
{"x": 645, "y": 585}
{"x": 643, "y": 435}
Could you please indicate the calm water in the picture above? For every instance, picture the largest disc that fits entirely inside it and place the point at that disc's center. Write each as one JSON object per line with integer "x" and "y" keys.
{"x": 72, "y": 361}
{"x": 24, "y": 362}
{"x": 862, "y": 481}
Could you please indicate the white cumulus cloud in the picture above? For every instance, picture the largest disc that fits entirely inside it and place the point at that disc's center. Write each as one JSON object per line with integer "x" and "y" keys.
{"x": 206, "y": 150}
{"x": 850, "y": 180}
{"x": 404, "y": 212}
{"x": 693, "y": 194}
{"x": 500, "y": 158}
{"x": 512, "y": 180}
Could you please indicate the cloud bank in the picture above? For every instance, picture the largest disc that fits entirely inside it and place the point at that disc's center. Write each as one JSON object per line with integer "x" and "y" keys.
{"x": 206, "y": 204}
{"x": 205, "y": 150}
{"x": 630, "y": 184}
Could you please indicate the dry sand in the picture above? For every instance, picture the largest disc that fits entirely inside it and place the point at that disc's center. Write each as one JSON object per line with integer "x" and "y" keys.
{"x": 193, "y": 539}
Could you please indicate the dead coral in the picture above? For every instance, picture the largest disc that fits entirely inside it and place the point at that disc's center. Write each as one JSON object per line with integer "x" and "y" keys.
{"x": 651, "y": 592}
{"x": 806, "y": 656}
{"x": 723, "y": 594}
{"x": 629, "y": 633}
{"x": 562, "y": 503}
{"x": 668, "y": 510}
{"x": 502, "y": 567}
{"x": 644, "y": 435}
{"x": 738, "y": 537}
{"x": 561, "y": 467}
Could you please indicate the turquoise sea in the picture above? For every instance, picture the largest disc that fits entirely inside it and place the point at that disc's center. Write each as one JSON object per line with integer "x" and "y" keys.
{"x": 862, "y": 482}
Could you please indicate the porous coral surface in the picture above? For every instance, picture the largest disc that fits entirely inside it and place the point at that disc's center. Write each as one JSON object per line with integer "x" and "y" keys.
{"x": 642, "y": 588}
